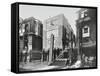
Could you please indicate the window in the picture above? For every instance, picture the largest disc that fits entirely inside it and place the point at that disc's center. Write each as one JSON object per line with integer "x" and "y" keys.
{"x": 86, "y": 31}
{"x": 21, "y": 30}
{"x": 26, "y": 27}
{"x": 83, "y": 13}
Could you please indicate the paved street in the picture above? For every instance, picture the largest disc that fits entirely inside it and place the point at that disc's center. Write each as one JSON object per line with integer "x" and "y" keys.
{"x": 36, "y": 66}
{"x": 45, "y": 66}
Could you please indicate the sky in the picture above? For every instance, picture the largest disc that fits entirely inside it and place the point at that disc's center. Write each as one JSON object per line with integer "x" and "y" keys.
{"x": 44, "y": 12}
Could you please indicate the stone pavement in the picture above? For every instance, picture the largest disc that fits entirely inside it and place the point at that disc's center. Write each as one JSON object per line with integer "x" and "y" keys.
{"x": 38, "y": 65}
{"x": 33, "y": 66}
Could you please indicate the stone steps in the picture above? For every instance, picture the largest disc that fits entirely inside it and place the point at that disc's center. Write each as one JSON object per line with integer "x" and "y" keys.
{"x": 58, "y": 63}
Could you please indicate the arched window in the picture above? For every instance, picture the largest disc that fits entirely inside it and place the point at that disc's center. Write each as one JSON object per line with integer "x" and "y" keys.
{"x": 86, "y": 31}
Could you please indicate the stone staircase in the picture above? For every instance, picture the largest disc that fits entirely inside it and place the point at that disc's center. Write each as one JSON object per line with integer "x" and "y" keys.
{"x": 58, "y": 63}
{"x": 62, "y": 59}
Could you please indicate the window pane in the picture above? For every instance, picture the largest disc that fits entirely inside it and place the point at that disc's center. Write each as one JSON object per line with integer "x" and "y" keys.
{"x": 85, "y": 30}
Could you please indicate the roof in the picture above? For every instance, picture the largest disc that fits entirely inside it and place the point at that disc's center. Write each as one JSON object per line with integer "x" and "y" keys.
{"x": 30, "y": 19}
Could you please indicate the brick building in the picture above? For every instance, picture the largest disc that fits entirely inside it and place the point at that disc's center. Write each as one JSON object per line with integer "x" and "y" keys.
{"x": 86, "y": 32}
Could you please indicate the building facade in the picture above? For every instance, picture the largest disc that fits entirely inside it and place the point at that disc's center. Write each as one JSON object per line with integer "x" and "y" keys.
{"x": 61, "y": 29}
{"x": 86, "y": 32}
{"x": 32, "y": 36}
